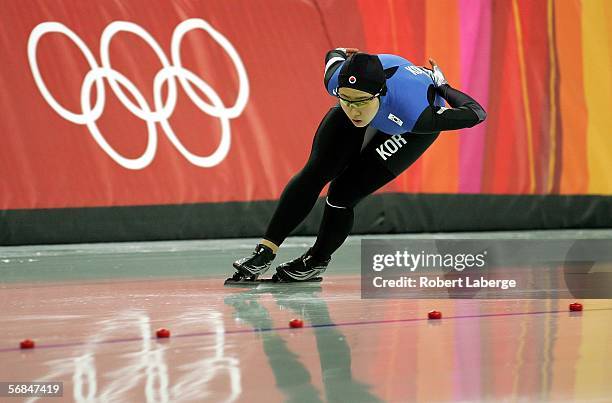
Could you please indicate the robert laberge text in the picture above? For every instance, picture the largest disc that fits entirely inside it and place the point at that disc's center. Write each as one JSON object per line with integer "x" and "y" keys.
{"x": 437, "y": 282}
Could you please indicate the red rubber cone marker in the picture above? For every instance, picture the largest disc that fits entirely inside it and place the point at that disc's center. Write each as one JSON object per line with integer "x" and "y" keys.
{"x": 575, "y": 306}
{"x": 27, "y": 343}
{"x": 296, "y": 323}
{"x": 162, "y": 333}
{"x": 434, "y": 315}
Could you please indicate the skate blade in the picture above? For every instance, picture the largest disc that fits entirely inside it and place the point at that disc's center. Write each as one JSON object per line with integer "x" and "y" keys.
{"x": 232, "y": 282}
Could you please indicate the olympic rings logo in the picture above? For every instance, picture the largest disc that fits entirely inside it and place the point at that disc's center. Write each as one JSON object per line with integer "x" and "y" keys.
{"x": 162, "y": 109}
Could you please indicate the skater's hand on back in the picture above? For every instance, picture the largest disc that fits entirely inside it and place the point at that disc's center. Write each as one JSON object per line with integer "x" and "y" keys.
{"x": 349, "y": 51}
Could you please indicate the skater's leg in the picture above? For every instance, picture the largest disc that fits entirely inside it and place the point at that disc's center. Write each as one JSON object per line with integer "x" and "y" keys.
{"x": 344, "y": 193}
{"x": 364, "y": 176}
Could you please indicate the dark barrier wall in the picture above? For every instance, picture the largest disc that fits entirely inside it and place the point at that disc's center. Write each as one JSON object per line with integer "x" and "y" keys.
{"x": 378, "y": 214}
{"x": 132, "y": 120}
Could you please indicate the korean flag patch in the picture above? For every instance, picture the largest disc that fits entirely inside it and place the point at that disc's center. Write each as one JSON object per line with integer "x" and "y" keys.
{"x": 395, "y": 119}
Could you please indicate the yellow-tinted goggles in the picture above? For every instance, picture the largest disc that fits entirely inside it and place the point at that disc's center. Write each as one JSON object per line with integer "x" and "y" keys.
{"x": 356, "y": 104}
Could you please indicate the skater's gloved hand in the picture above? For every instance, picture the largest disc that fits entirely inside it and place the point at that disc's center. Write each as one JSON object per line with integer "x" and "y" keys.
{"x": 436, "y": 74}
{"x": 349, "y": 51}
